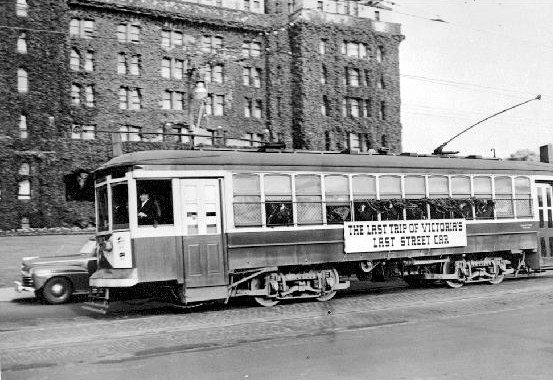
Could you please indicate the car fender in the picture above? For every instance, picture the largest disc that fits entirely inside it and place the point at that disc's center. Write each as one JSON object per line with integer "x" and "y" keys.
{"x": 78, "y": 276}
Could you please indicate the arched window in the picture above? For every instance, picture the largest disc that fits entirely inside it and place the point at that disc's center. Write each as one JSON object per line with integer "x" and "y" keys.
{"x": 22, "y": 81}
{"x": 24, "y": 191}
{"x": 309, "y": 199}
{"x": 337, "y": 199}
{"x": 503, "y": 197}
{"x": 24, "y": 169}
{"x": 390, "y": 188}
{"x": 438, "y": 188}
{"x": 523, "y": 198}
{"x": 483, "y": 195}
{"x": 278, "y": 200}
{"x": 415, "y": 188}
{"x": 74, "y": 60}
{"x": 247, "y": 200}
{"x": 364, "y": 190}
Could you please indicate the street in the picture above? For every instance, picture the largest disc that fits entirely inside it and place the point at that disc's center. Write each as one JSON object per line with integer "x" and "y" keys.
{"x": 474, "y": 332}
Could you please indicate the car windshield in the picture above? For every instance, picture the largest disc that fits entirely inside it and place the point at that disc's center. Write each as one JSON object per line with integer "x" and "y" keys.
{"x": 89, "y": 248}
{"x": 102, "y": 204}
{"x": 119, "y": 207}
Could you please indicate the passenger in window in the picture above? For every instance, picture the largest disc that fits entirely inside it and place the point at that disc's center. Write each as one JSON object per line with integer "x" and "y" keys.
{"x": 279, "y": 213}
{"x": 149, "y": 211}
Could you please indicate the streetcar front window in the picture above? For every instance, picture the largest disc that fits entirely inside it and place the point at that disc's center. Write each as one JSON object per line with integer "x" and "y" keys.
{"x": 120, "y": 206}
{"x": 102, "y": 208}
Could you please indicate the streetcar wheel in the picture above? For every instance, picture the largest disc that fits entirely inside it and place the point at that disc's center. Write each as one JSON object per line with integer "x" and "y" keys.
{"x": 264, "y": 301}
{"x": 334, "y": 279}
{"x": 412, "y": 281}
{"x": 57, "y": 290}
{"x": 449, "y": 268}
{"x": 497, "y": 280}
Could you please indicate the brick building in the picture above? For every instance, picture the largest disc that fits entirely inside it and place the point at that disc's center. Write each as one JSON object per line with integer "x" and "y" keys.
{"x": 77, "y": 75}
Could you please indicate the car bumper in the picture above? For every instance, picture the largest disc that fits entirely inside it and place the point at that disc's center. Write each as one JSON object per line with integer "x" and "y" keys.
{"x": 19, "y": 287}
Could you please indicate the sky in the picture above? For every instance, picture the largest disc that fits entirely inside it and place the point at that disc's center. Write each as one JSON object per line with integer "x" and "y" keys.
{"x": 487, "y": 56}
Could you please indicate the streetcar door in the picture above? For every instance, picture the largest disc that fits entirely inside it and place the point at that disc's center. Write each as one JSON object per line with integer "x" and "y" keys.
{"x": 545, "y": 230}
{"x": 203, "y": 253}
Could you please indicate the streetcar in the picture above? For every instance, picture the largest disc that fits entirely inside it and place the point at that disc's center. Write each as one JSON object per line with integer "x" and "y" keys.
{"x": 280, "y": 225}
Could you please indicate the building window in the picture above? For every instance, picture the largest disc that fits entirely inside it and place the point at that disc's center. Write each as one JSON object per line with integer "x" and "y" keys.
{"x": 128, "y": 33}
{"x": 213, "y": 74}
{"x": 215, "y": 105}
{"x": 89, "y": 96}
{"x": 23, "y": 132}
{"x": 130, "y": 98}
{"x": 22, "y": 43}
{"x": 25, "y": 169}
{"x": 367, "y": 105}
{"x": 22, "y": 81}
{"x": 171, "y": 39}
{"x": 324, "y": 75}
{"x": 319, "y": 5}
{"x": 211, "y": 44}
{"x": 380, "y": 84}
{"x": 83, "y": 132}
{"x": 183, "y": 132}
{"x": 173, "y": 100}
{"x": 256, "y": 4}
{"x": 351, "y": 107}
{"x": 383, "y": 141}
{"x": 251, "y": 76}
{"x": 130, "y": 133}
{"x": 81, "y": 28}
{"x": 382, "y": 111}
{"x": 325, "y": 106}
{"x": 246, "y": 5}
{"x": 328, "y": 140}
{"x": 172, "y": 68}
{"x": 354, "y": 49}
{"x": 74, "y": 60}
{"x": 24, "y": 191}
{"x": 351, "y": 77}
{"x": 322, "y": 46}
{"x": 128, "y": 64}
{"x": 21, "y": 8}
{"x": 89, "y": 61}
{"x": 380, "y": 53}
{"x": 75, "y": 94}
{"x": 251, "y": 49}
{"x": 253, "y": 108}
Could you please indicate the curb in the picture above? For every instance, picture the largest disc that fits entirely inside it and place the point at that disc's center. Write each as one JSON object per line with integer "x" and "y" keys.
{"x": 8, "y": 294}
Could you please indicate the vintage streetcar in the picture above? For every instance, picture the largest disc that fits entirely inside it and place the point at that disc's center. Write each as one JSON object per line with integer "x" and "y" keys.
{"x": 204, "y": 225}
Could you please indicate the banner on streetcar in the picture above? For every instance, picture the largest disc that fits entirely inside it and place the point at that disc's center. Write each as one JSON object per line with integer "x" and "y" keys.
{"x": 397, "y": 235}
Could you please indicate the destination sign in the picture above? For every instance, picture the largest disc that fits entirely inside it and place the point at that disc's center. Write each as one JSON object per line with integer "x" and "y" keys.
{"x": 396, "y": 235}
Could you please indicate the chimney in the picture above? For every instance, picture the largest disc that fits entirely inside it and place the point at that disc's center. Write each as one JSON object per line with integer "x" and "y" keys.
{"x": 546, "y": 153}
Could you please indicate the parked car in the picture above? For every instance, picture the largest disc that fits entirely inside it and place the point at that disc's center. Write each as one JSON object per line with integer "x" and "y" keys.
{"x": 55, "y": 279}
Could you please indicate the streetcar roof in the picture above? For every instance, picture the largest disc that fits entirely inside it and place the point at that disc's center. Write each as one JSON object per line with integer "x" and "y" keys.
{"x": 318, "y": 161}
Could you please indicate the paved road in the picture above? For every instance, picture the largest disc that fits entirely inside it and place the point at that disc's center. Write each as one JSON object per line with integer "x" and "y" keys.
{"x": 476, "y": 328}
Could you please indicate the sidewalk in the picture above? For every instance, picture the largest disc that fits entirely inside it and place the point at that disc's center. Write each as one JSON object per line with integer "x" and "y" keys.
{"x": 9, "y": 294}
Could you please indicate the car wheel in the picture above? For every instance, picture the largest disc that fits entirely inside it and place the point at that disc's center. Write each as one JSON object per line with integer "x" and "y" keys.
{"x": 57, "y": 290}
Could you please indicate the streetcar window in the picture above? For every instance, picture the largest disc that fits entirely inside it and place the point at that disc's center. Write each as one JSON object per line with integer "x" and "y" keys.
{"x": 415, "y": 188}
{"x": 390, "y": 188}
{"x": 102, "y": 208}
{"x": 364, "y": 190}
{"x": 278, "y": 200}
{"x": 337, "y": 199}
{"x": 247, "y": 200}
{"x": 309, "y": 199}
{"x": 120, "y": 205}
{"x": 523, "y": 198}
{"x": 154, "y": 202}
{"x": 483, "y": 193}
{"x": 460, "y": 190}
{"x": 438, "y": 189}
{"x": 503, "y": 197}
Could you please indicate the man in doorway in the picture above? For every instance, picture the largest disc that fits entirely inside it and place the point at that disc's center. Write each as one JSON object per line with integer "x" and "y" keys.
{"x": 149, "y": 211}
